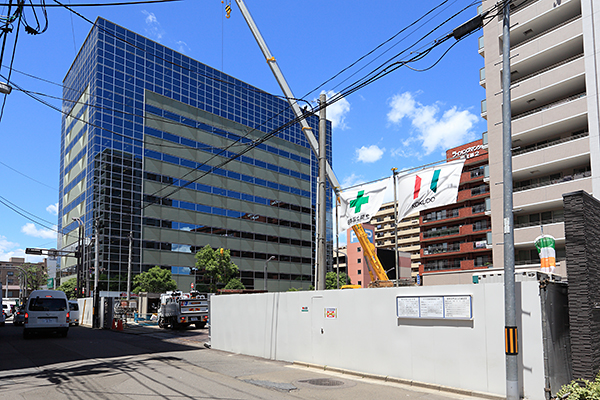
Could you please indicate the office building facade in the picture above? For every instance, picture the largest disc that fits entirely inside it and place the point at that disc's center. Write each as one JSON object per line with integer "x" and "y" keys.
{"x": 555, "y": 120}
{"x": 179, "y": 155}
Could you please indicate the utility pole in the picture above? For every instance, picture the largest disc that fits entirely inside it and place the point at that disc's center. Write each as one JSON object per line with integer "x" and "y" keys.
{"x": 510, "y": 314}
{"x": 394, "y": 172}
{"x": 129, "y": 267}
{"x": 96, "y": 271}
{"x": 322, "y": 195}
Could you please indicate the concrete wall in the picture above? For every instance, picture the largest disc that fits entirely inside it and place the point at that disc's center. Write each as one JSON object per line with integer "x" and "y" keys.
{"x": 367, "y": 336}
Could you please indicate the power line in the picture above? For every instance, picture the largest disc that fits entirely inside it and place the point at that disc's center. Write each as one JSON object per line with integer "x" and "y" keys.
{"x": 23, "y": 213}
{"x": 27, "y": 176}
{"x": 117, "y": 3}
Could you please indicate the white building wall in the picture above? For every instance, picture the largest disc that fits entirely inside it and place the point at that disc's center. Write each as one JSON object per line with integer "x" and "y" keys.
{"x": 368, "y": 337}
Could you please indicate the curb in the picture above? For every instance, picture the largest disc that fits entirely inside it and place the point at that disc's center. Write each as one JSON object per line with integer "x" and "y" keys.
{"x": 408, "y": 382}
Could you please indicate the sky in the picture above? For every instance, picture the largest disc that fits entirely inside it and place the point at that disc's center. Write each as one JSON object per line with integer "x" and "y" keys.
{"x": 403, "y": 120}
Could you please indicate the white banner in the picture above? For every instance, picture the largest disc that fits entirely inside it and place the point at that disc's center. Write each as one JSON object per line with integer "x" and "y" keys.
{"x": 432, "y": 187}
{"x": 358, "y": 205}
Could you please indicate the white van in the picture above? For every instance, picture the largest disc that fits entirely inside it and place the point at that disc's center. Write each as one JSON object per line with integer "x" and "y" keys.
{"x": 46, "y": 311}
{"x": 73, "y": 312}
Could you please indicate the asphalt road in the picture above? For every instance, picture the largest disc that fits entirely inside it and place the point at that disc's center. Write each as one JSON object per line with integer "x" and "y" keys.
{"x": 149, "y": 363}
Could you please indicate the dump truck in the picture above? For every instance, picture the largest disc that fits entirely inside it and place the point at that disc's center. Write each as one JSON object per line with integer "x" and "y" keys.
{"x": 179, "y": 310}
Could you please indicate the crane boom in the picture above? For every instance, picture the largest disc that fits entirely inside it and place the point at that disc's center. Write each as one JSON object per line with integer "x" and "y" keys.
{"x": 372, "y": 259}
{"x": 306, "y": 129}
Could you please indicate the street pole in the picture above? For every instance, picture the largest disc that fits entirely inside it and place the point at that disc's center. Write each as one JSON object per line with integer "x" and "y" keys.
{"x": 337, "y": 238}
{"x": 129, "y": 268}
{"x": 96, "y": 271}
{"x": 265, "y": 272}
{"x": 510, "y": 315}
{"x": 394, "y": 171}
{"x": 79, "y": 268}
{"x": 322, "y": 199}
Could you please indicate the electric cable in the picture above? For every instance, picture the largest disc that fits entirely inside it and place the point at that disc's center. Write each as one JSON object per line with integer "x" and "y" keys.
{"x": 23, "y": 213}
{"x": 27, "y": 176}
{"x": 115, "y": 3}
{"x": 12, "y": 59}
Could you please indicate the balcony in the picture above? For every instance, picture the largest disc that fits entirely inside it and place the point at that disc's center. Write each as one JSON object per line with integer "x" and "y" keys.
{"x": 551, "y": 143}
{"x": 484, "y": 109}
{"x": 536, "y": 18}
{"x": 550, "y": 106}
{"x": 546, "y": 181}
{"x": 482, "y": 77}
{"x": 481, "y": 46}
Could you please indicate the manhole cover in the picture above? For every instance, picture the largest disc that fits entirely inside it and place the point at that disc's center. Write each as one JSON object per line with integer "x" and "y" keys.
{"x": 323, "y": 382}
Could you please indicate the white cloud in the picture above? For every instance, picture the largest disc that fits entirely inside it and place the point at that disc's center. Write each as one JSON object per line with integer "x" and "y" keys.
{"x": 53, "y": 209}
{"x": 369, "y": 154}
{"x": 153, "y": 27}
{"x": 31, "y": 230}
{"x": 182, "y": 46}
{"x": 337, "y": 111}
{"x": 453, "y": 128}
{"x": 8, "y": 249}
{"x": 352, "y": 180}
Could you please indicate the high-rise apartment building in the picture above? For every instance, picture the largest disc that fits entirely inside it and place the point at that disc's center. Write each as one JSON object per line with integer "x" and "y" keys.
{"x": 408, "y": 234}
{"x": 555, "y": 116}
{"x": 182, "y": 156}
{"x": 455, "y": 237}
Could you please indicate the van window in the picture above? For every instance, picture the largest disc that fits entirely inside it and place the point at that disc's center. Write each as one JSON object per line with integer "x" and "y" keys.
{"x": 47, "y": 304}
{"x": 73, "y": 306}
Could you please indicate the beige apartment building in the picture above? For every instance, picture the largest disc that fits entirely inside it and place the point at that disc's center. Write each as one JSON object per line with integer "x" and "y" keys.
{"x": 555, "y": 126}
{"x": 408, "y": 234}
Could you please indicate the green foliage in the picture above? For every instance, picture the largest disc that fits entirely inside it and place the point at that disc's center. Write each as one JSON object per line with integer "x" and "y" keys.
{"x": 217, "y": 265}
{"x": 36, "y": 277}
{"x": 156, "y": 280}
{"x": 293, "y": 289}
{"x": 581, "y": 389}
{"x": 68, "y": 287}
{"x": 331, "y": 280}
{"x": 234, "y": 283}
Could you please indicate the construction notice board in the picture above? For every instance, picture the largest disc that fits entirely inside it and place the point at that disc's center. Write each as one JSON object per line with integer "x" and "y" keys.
{"x": 444, "y": 307}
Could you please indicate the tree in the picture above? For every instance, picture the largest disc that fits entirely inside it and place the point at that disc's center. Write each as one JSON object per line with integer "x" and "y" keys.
{"x": 216, "y": 265}
{"x": 69, "y": 288}
{"x": 36, "y": 277}
{"x": 331, "y": 280}
{"x": 156, "y": 280}
{"x": 234, "y": 283}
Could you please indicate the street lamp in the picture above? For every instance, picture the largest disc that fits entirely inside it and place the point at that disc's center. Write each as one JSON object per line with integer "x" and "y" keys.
{"x": 81, "y": 254}
{"x": 5, "y": 88}
{"x": 338, "y": 265}
{"x": 266, "y": 262}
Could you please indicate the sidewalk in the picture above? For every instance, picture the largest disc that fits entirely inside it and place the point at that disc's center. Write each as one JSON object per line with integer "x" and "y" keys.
{"x": 309, "y": 379}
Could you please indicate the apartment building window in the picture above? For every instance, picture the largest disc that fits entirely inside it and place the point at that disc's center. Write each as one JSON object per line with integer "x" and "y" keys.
{"x": 358, "y": 249}
{"x": 359, "y": 272}
{"x": 10, "y": 273}
{"x": 359, "y": 261}
{"x": 480, "y": 225}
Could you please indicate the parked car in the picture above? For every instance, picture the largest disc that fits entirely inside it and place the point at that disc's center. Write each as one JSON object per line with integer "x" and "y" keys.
{"x": 74, "y": 312}
{"x": 6, "y": 309}
{"x": 46, "y": 311}
{"x": 19, "y": 317}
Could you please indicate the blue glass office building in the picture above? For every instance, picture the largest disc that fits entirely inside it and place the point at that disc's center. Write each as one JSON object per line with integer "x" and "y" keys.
{"x": 147, "y": 143}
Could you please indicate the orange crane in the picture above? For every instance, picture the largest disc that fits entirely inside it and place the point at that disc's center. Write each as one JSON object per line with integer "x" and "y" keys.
{"x": 381, "y": 279}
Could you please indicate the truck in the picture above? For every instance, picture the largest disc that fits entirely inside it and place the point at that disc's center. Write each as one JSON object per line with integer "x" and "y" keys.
{"x": 179, "y": 310}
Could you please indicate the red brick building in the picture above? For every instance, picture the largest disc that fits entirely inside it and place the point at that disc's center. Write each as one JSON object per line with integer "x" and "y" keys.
{"x": 455, "y": 237}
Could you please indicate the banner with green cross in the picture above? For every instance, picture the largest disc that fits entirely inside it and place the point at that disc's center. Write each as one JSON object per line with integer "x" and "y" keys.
{"x": 359, "y": 204}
